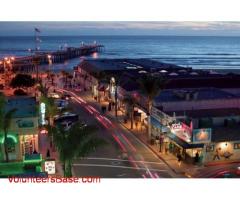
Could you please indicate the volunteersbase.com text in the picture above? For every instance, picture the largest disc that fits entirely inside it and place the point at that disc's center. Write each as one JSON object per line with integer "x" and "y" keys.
{"x": 55, "y": 180}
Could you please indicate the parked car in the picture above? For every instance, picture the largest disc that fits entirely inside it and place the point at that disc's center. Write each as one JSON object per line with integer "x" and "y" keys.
{"x": 68, "y": 124}
{"x": 61, "y": 103}
{"x": 67, "y": 116}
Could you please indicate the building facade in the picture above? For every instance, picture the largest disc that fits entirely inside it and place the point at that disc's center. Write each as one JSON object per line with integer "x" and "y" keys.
{"x": 22, "y": 134}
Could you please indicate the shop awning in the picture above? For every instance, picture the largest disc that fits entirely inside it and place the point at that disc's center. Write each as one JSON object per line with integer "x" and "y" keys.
{"x": 182, "y": 143}
{"x": 157, "y": 124}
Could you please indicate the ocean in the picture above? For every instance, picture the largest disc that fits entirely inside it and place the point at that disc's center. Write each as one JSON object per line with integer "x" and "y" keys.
{"x": 202, "y": 52}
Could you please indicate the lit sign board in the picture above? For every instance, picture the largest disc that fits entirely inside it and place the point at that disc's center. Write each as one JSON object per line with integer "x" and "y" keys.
{"x": 182, "y": 131}
{"x": 177, "y": 126}
{"x": 50, "y": 167}
{"x": 43, "y": 111}
{"x": 202, "y": 135}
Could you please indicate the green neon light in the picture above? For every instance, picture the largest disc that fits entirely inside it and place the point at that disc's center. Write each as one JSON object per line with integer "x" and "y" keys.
{"x": 15, "y": 139}
{"x": 33, "y": 160}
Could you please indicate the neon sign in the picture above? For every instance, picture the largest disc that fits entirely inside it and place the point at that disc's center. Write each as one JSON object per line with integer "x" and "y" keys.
{"x": 43, "y": 112}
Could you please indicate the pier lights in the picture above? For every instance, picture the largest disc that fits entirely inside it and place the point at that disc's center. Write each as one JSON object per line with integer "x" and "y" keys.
{"x": 49, "y": 59}
{"x": 30, "y": 51}
{"x": 12, "y": 58}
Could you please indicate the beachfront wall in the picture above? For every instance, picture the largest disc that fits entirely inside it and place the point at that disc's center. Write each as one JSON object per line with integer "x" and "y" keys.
{"x": 222, "y": 152}
{"x": 199, "y": 104}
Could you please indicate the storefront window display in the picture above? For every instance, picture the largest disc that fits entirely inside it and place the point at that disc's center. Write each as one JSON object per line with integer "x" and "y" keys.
{"x": 28, "y": 144}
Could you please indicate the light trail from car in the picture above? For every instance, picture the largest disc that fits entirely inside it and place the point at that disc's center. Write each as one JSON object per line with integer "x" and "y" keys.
{"x": 106, "y": 123}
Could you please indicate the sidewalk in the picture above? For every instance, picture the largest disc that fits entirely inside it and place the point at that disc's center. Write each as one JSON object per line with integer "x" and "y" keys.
{"x": 140, "y": 132}
{"x": 44, "y": 145}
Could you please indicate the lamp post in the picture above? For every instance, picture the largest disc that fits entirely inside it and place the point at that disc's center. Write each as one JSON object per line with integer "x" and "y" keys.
{"x": 36, "y": 62}
{"x": 7, "y": 66}
{"x": 49, "y": 61}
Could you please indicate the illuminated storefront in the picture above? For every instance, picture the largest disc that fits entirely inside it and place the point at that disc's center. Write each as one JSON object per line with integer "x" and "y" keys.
{"x": 22, "y": 137}
{"x": 29, "y": 144}
{"x": 177, "y": 136}
{"x": 12, "y": 146}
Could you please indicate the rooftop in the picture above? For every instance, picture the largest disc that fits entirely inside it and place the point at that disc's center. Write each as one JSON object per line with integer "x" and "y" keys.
{"x": 179, "y": 77}
{"x": 222, "y": 134}
{"x": 139, "y": 65}
{"x": 221, "y": 112}
{"x": 173, "y": 95}
{"x": 25, "y": 105}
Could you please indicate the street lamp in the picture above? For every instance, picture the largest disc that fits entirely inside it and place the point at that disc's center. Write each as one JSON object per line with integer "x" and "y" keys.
{"x": 7, "y": 69}
{"x": 49, "y": 59}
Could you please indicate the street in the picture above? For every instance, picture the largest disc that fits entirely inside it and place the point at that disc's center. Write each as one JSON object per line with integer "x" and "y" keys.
{"x": 124, "y": 156}
{"x": 220, "y": 171}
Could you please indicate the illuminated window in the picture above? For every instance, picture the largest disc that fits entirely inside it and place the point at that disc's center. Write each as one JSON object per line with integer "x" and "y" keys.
{"x": 236, "y": 145}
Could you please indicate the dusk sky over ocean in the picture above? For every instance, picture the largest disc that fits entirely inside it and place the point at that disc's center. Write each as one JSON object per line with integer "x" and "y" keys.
{"x": 122, "y": 28}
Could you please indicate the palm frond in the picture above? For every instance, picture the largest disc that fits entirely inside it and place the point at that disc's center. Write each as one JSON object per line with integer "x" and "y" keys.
{"x": 7, "y": 119}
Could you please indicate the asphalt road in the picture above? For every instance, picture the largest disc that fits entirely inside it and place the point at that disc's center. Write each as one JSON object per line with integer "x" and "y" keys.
{"x": 220, "y": 171}
{"x": 124, "y": 156}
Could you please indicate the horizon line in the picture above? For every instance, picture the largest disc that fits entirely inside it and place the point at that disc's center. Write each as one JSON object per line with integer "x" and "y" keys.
{"x": 154, "y": 35}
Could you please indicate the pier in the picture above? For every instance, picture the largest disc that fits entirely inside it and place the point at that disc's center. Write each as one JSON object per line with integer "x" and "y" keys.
{"x": 29, "y": 63}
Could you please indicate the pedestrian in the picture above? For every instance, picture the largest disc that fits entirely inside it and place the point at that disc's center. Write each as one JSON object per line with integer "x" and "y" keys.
{"x": 48, "y": 153}
{"x": 179, "y": 157}
{"x": 217, "y": 154}
{"x": 157, "y": 140}
{"x": 170, "y": 147}
{"x": 197, "y": 157}
{"x": 166, "y": 148}
{"x": 109, "y": 106}
{"x": 136, "y": 124}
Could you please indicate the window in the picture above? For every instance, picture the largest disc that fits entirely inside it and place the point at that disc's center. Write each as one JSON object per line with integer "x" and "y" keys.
{"x": 210, "y": 148}
{"x": 25, "y": 124}
{"x": 236, "y": 145}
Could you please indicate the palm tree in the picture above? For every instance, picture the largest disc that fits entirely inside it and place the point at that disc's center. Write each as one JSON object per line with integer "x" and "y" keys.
{"x": 151, "y": 86}
{"x": 76, "y": 142}
{"x": 6, "y": 125}
{"x": 5, "y": 122}
{"x": 43, "y": 89}
{"x": 131, "y": 102}
{"x": 51, "y": 108}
